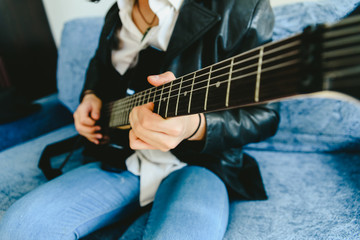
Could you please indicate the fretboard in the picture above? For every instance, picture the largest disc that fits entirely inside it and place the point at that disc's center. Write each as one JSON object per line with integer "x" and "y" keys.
{"x": 273, "y": 71}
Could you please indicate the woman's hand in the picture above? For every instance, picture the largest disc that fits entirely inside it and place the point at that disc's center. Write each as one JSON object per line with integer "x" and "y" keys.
{"x": 85, "y": 118}
{"x": 151, "y": 131}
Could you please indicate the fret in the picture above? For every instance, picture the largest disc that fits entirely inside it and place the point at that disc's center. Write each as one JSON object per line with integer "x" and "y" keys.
{"x": 112, "y": 113}
{"x": 150, "y": 89}
{"x": 184, "y": 95}
{"x": 128, "y": 108}
{"x": 143, "y": 97}
{"x": 199, "y": 90}
{"x": 207, "y": 89}
{"x": 191, "y": 92}
{"x": 168, "y": 99}
{"x": 218, "y": 85}
{"x": 120, "y": 117}
{"x": 155, "y": 90}
{"x": 161, "y": 94}
{"x": 229, "y": 83}
{"x": 178, "y": 97}
{"x": 258, "y": 75}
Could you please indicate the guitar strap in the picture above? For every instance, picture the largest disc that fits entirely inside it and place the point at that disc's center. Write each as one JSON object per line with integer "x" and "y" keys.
{"x": 68, "y": 145}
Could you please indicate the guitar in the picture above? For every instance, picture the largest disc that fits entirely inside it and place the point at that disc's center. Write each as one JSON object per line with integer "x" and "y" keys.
{"x": 321, "y": 58}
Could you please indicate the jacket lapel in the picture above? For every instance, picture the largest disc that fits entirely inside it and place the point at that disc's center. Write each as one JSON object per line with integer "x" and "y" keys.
{"x": 192, "y": 23}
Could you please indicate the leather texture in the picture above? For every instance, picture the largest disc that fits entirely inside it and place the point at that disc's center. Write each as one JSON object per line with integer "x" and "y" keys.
{"x": 206, "y": 32}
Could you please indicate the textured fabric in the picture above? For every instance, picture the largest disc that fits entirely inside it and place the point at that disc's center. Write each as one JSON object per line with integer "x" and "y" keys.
{"x": 152, "y": 166}
{"x": 52, "y": 115}
{"x": 315, "y": 125}
{"x": 79, "y": 40}
{"x": 313, "y": 194}
{"x": 63, "y": 210}
{"x": 60, "y": 209}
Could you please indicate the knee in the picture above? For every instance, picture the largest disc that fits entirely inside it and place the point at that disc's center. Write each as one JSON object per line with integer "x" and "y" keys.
{"x": 29, "y": 222}
{"x": 202, "y": 177}
{"x": 17, "y": 224}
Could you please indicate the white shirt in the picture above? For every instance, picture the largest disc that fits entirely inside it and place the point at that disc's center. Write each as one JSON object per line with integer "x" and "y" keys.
{"x": 151, "y": 165}
{"x": 130, "y": 37}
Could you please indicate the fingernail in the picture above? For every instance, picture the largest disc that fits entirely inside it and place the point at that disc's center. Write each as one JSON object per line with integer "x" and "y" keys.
{"x": 155, "y": 77}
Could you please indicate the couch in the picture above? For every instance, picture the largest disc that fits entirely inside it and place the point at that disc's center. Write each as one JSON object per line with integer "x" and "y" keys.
{"x": 311, "y": 167}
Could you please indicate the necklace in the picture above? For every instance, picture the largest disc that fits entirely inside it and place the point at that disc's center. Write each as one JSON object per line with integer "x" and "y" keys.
{"x": 142, "y": 16}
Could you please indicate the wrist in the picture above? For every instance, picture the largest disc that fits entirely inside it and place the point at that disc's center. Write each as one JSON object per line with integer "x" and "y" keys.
{"x": 198, "y": 132}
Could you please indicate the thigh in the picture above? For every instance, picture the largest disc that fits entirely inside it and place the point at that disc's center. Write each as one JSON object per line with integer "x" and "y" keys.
{"x": 191, "y": 203}
{"x": 72, "y": 205}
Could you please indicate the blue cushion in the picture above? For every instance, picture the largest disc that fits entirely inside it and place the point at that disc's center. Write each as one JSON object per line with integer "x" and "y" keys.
{"x": 51, "y": 116}
{"x": 293, "y": 18}
{"x": 79, "y": 41}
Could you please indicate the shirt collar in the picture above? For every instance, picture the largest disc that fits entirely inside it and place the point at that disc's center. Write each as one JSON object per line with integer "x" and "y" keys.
{"x": 175, "y": 3}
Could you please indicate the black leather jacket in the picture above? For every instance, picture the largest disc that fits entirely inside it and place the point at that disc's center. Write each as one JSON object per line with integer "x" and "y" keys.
{"x": 206, "y": 32}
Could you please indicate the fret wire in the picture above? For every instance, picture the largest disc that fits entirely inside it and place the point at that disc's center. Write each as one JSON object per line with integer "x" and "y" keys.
{"x": 162, "y": 89}
{"x": 167, "y": 105}
{"x": 281, "y": 47}
{"x": 258, "y": 75}
{"x": 269, "y": 60}
{"x": 229, "y": 83}
{"x": 207, "y": 89}
{"x": 269, "y": 89}
{"x": 287, "y": 64}
{"x": 150, "y": 89}
{"x": 177, "y": 101}
{"x": 192, "y": 87}
{"x": 264, "y": 69}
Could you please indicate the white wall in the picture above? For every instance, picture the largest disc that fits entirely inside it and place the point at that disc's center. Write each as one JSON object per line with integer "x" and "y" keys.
{"x": 60, "y": 11}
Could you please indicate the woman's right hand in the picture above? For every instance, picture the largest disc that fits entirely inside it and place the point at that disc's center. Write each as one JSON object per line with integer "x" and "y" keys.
{"x": 85, "y": 117}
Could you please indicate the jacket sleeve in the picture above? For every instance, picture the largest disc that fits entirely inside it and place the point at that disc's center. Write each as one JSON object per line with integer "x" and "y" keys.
{"x": 95, "y": 79}
{"x": 241, "y": 126}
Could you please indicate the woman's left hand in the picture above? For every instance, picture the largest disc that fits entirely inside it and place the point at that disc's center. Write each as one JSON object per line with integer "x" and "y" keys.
{"x": 151, "y": 131}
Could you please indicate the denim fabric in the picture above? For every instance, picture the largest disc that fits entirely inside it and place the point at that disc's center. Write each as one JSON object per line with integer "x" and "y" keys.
{"x": 88, "y": 198}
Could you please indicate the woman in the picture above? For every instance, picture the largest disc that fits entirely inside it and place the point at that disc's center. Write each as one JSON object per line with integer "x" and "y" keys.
{"x": 186, "y": 168}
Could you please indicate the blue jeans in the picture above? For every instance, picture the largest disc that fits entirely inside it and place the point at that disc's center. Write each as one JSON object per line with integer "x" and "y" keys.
{"x": 191, "y": 203}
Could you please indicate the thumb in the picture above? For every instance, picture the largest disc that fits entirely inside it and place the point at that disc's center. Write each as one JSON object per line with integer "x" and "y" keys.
{"x": 157, "y": 80}
{"x": 95, "y": 111}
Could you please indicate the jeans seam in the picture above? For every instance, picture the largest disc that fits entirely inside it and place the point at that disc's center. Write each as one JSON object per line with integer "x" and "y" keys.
{"x": 104, "y": 213}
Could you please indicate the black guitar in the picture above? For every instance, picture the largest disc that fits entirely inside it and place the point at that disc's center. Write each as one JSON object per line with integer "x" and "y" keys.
{"x": 322, "y": 58}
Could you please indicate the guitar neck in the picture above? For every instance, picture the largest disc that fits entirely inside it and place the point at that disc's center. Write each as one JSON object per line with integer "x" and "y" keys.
{"x": 318, "y": 59}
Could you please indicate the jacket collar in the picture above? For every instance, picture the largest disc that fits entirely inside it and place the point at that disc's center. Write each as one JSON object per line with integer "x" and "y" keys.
{"x": 192, "y": 23}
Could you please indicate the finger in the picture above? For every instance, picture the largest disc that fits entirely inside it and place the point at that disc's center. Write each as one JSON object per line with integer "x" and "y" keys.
{"x": 84, "y": 129}
{"x": 157, "y": 80}
{"x": 156, "y": 140}
{"x": 83, "y": 117}
{"x": 95, "y": 111}
{"x": 137, "y": 143}
{"x": 142, "y": 118}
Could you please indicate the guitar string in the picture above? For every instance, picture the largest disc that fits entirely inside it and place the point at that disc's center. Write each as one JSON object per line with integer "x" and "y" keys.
{"x": 326, "y": 35}
{"x": 130, "y": 98}
{"x": 282, "y": 48}
{"x": 232, "y": 80}
{"x": 243, "y": 54}
{"x": 140, "y": 96}
{"x": 266, "y": 89}
{"x": 125, "y": 109}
